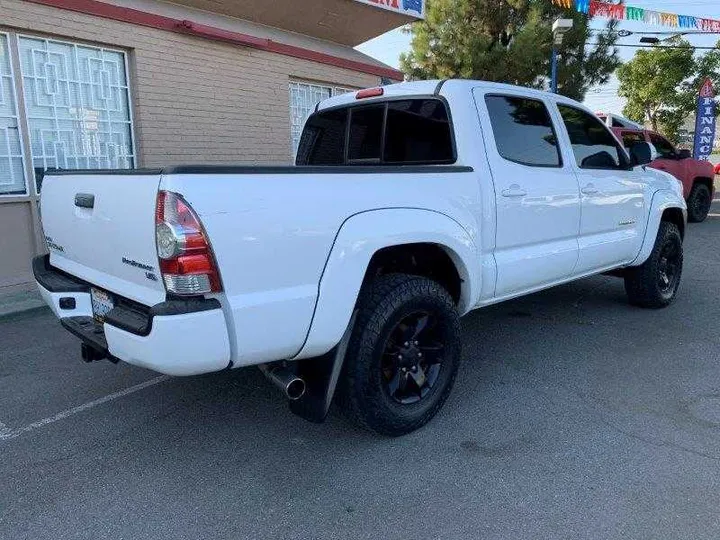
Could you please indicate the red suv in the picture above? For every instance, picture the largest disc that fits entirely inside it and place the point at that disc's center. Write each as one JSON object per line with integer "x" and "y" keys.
{"x": 696, "y": 176}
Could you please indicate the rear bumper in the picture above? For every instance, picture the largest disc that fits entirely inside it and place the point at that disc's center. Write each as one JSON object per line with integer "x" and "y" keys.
{"x": 177, "y": 337}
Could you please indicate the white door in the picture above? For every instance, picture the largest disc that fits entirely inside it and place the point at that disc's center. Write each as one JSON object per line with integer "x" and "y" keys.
{"x": 537, "y": 199}
{"x": 612, "y": 193}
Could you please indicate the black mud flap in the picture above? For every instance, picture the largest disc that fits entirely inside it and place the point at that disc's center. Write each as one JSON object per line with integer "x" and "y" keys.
{"x": 321, "y": 375}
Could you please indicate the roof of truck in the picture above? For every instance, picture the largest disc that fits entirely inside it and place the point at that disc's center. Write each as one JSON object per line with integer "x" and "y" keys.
{"x": 434, "y": 87}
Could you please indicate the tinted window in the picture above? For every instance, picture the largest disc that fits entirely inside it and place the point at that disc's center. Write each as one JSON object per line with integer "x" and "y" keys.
{"x": 631, "y": 138}
{"x": 523, "y": 131}
{"x": 366, "y": 126}
{"x": 415, "y": 131}
{"x": 323, "y": 139}
{"x": 593, "y": 145}
{"x": 664, "y": 148}
{"x": 418, "y": 131}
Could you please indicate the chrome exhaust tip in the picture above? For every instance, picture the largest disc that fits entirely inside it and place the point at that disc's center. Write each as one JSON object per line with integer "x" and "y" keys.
{"x": 292, "y": 386}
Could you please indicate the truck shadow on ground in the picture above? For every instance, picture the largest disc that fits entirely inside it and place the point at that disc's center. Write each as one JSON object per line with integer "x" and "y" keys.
{"x": 501, "y": 343}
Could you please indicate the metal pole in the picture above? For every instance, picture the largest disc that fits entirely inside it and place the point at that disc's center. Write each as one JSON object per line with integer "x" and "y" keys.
{"x": 554, "y": 75}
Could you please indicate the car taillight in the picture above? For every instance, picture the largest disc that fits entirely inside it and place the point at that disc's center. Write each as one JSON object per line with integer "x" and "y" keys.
{"x": 187, "y": 263}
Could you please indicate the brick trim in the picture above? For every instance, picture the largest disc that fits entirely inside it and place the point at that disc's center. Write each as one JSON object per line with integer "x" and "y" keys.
{"x": 143, "y": 18}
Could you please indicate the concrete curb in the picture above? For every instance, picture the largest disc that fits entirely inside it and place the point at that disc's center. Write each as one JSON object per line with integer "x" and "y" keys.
{"x": 21, "y": 303}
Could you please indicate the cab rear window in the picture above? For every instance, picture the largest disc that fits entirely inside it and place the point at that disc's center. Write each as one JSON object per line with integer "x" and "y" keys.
{"x": 397, "y": 132}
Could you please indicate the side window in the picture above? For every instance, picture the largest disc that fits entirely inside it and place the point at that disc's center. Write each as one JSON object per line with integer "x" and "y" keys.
{"x": 366, "y": 128}
{"x": 631, "y": 138}
{"x": 664, "y": 148}
{"x": 523, "y": 131}
{"x": 418, "y": 131}
{"x": 593, "y": 144}
{"x": 323, "y": 139}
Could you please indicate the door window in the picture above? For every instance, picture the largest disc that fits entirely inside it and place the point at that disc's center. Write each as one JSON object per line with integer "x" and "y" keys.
{"x": 592, "y": 143}
{"x": 631, "y": 138}
{"x": 523, "y": 131}
{"x": 664, "y": 148}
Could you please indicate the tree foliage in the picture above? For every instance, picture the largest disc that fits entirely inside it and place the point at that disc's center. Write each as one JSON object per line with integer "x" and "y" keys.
{"x": 508, "y": 41}
{"x": 661, "y": 84}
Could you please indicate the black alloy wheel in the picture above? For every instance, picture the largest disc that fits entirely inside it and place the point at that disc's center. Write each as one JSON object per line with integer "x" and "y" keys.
{"x": 669, "y": 266}
{"x": 412, "y": 357}
{"x": 699, "y": 203}
{"x": 403, "y": 354}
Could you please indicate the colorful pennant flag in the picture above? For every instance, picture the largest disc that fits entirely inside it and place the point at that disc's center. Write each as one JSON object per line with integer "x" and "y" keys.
{"x": 583, "y": 6}
{"x": 634, "y": 13}
{"x": 604, "y": 8}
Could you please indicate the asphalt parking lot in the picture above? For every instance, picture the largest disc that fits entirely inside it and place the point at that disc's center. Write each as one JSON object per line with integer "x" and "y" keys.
{"x": 574, "y": 416}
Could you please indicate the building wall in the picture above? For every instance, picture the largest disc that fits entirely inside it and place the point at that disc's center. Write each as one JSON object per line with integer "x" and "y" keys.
{"x": 194, "y": 100}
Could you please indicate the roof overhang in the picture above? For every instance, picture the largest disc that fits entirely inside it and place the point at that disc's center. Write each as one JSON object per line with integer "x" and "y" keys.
{"x": 348, "y": 22}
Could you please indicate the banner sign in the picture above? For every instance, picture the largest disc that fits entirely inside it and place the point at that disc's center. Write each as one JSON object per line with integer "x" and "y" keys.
{"x": 621, "y": 11}
{"x": 414, "y": 8}
{"x": 705, "y": 122}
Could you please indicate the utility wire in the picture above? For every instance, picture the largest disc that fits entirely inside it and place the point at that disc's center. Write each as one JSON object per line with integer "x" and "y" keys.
{"x": 660, "y": 46}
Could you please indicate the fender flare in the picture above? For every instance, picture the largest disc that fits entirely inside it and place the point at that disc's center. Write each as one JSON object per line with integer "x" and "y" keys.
{"x": 661, "y": 201}
{"x": 358, "y": 239}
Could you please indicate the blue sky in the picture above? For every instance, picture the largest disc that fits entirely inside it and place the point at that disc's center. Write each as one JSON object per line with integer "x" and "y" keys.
{"x": 387, "y": 48}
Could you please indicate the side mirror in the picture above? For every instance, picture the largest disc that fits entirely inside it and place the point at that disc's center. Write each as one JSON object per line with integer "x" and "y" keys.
{"x": 684, "y": 154}
{"x": 642, "y": 154}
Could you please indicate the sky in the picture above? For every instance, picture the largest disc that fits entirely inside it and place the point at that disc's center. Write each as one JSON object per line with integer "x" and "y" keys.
{"x": 388, "y": 47}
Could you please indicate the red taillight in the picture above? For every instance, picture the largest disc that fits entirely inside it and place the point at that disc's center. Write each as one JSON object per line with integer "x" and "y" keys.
{"x": 370, "y": 92}
{"x": 187, "y": 263}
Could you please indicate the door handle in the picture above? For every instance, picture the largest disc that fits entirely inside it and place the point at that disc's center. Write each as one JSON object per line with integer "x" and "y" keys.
{"x": 590, "y": 189}
{"x": 514, "y": 191}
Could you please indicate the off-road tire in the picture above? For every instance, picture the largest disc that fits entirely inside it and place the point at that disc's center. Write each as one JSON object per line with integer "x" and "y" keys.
{"x": 642, "y": 283}
{"x": 699, "y": 203}
{"x": 383, "y": 302}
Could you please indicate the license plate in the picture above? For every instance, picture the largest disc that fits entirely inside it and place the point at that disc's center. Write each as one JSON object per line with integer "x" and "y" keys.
{"x": 102, "y": 303}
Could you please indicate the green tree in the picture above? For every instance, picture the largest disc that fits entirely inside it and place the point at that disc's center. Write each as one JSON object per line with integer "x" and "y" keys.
{"x": 661, "y": 84}
{"x": 508, "y": 41}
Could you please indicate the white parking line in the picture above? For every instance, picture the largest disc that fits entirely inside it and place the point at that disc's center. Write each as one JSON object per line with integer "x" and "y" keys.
{"x": 7, "y": 433}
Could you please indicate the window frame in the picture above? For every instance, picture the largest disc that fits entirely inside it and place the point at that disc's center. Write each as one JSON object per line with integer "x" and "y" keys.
{"x": 384, "y": 101}
{"x": 14, "y": 38}
{"x": 561, "y": 161}
{"x": 628, "y": 162}
{"x": 20, "y": 117}
{"x": 81, "y": 43}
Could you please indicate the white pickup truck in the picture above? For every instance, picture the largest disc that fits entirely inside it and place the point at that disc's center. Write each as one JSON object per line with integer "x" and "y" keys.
{"x": 409, "y": 206}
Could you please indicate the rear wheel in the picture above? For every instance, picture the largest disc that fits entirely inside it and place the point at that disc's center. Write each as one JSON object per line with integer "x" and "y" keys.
{"x": 654, "y": 284}
{"x": 403, "y": 354}
{"x": 699, "y": 203}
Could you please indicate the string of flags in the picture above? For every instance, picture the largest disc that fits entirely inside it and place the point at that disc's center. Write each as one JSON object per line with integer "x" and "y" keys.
{"x": 599, "y": 8}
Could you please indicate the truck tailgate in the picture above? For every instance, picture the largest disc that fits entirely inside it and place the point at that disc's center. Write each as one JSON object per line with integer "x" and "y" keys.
{"x": 100, "y": 227}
